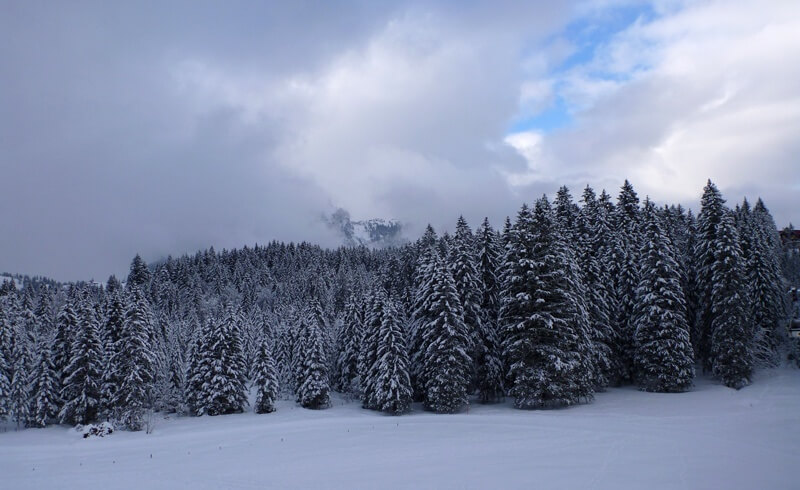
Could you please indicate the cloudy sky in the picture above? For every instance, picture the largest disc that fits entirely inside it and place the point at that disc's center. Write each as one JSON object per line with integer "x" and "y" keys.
{"x": 166, "y": 127}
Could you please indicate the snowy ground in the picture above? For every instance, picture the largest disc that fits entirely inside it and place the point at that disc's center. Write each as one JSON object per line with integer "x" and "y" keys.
{"x": 712, "y": 437}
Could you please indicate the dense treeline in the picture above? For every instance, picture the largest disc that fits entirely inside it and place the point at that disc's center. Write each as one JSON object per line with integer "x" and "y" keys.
{"x": 567, "y": 299}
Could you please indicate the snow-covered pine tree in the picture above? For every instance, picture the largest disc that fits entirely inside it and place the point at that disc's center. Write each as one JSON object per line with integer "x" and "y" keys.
{"x": 427, "y": 256}
{"x": 5, "y": 361}
{"x": 489, "y": 362}
{"x": 664, "y": 358}
{"x": 19, "y": 386}
{"x": 712, "y": 209}
{"x": 732, "y": 337}
{"x": 624, "y": 270}
{"x": 461, "y": 261}
{"x": 113, "y": 327}
{"x": 313, "y": 390}
{"x": 266, "y": 379}
{"x": 767, "y": 285}
{"x": 544, "y": 335}
{"x": 446, "y": 368}
{"x": 66, "y": 329}
{"x": 368, "y": 352}
{"x": 198, "y": 369}
{"x": 136, "y": 361}
{"x": 224, "y": 388}
{"x": 349, "y": 347}
{"x": 83, "y": 376}
{"x": 139, "y": 275}
{"x": 393, "y": 383}
{"x": 592, "y": 247}
{"x": 567, "y": 214}
{"x": 44, "y": 391}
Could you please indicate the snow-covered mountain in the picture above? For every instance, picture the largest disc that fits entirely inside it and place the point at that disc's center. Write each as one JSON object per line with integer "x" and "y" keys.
{"x": 375, "y": 232}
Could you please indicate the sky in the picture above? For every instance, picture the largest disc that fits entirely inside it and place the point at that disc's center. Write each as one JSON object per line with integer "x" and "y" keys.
{"x": 162, "y": 128}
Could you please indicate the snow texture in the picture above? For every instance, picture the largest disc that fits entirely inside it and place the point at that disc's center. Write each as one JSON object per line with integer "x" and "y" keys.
{"x": 708, "y": 438}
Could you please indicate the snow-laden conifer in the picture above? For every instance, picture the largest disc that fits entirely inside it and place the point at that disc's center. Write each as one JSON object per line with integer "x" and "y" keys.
{"x": 44, "y": 391}
{"x": 266, "y": 379}
{"x": 489, "y": 363}
{"x": 446, "y": 362}
{"x": 392, "y": 384}
{"x": 83, "y": 376}
{"x": 664, "y": 357}
{"x": 134, "y": 357}
{"x": 544, "y": 332}
{"x": 313, "y": 390}
{"x": 732, "y": 337}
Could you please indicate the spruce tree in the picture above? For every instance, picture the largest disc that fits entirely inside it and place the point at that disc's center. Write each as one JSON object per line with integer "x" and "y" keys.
{"x": 393, "y": 383}
{"x": 349, "y": 346}
{"x": 45, "y": 400}
{"x": 424, "y": 271}
{"x": 624, "y": 269}
{"x": 544, "y": 332}
{"x": 19, "y": 376}
{"x": 368, "y": 354}
{"x": 266, "y": 379}
{"x": 139, "y": 276}
{"x": 225, "y": 389}
{"x": 83, "y": 376}
{"x": 112, "y": 332}
{"x": 767, "y": 285}
{"x": 489, "y": 362}
{"x": 446, "y": 363}
{"x": 712, "y": 209}
{"x": 567, "y": 214}
{"x": 5, "y": 361}
{"x": 313, "y": 390}
{"x": 134, "y": 357}
{"x": 467, "y": 281}
{"x": 731, "y": 336}
{"x": 664, "y": 357}
{"x": 592, "y": 238}
{"x": 66, "y": 329}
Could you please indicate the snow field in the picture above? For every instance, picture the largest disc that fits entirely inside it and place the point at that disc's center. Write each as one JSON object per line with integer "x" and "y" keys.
{"x": 710, "y": 438}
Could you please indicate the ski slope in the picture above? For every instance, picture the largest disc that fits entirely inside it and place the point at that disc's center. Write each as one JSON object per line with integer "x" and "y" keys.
{"x": 710, "y": 438}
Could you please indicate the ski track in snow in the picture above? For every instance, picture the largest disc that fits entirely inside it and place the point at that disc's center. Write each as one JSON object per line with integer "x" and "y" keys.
{"x": 710, "y": 438}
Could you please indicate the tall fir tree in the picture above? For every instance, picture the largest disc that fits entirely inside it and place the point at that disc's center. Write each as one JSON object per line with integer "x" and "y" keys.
{"x": 313, "y": 389}
{"x": 266, "y": 379}
{"x": 19, "y": 376}
{"x": 83, "y": 376}
{"x": 732, "y": 338}
{"x": 767, "y": 285}
{"x": 393, "y": 383}
{"x": 44, "y": 391}
{"x": 5, "y": 362}
{"x": 368, "y": 352}
{"x": 112, "y": 332}
{"x": 663, "y": 358}
{"x": 424, "y": 271}
{"x": 567, "y": 213}
{"x": 704, "y": 256}
{"x": 467, "y": 281}
{"x": 349, "y": 346}
{"x": 139, "y": 275}
{"x": 592, "y": 248}
{"x": 134, "y": 357}
{"x": 624, "y": 269}
{"x": 446, "y": 363}
{"x": 544, "y": 340}
{"x": 489, "y": 362}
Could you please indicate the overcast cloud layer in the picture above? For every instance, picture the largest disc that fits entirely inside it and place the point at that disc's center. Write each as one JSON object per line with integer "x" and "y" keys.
{"x": 166, "y": 127}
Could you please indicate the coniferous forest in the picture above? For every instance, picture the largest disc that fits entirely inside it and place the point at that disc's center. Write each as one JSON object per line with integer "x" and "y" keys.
{"x": 561, "y": 301}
